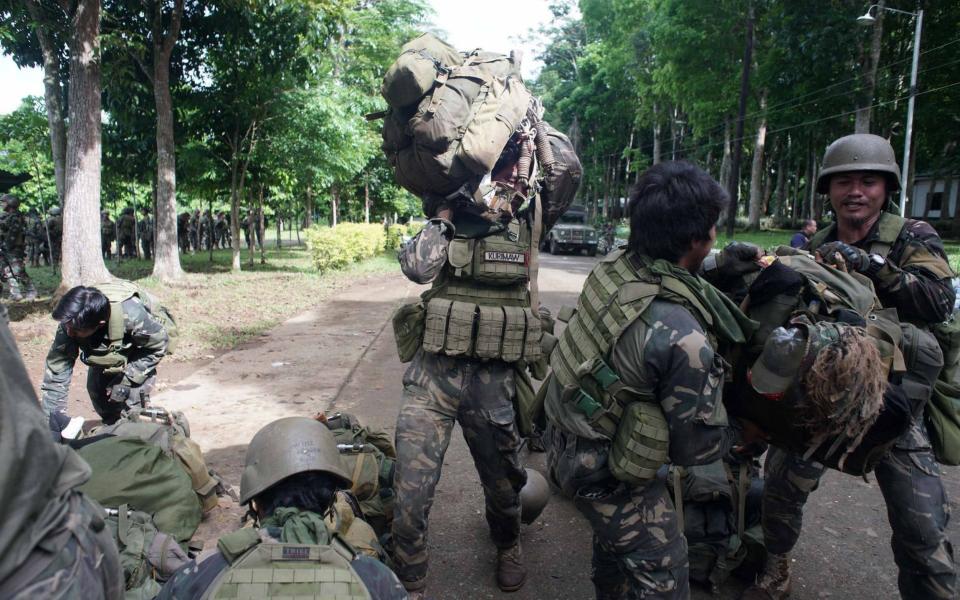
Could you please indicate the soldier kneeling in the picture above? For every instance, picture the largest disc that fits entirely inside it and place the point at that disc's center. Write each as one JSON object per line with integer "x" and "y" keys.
{"x": 306, "y": 541}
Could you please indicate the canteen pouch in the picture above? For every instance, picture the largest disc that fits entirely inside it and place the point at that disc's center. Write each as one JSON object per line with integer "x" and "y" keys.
{"x": 641, "y": 445}
{"x": 408, "y": 327}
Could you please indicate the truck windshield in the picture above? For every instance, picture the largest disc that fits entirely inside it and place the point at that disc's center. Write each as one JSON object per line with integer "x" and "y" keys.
{"x": 574, "y": 219}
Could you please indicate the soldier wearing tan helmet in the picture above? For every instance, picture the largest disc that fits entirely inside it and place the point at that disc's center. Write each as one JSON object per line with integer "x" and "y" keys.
{"x": 307, "y": 540}
{"x": 907, "y": 264}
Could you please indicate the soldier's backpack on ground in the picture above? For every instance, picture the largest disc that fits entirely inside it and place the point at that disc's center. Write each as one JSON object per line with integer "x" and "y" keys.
{"x": 369, "y": 456}
{"x": 719, "y": 509}
{"x": 450, "y": 115}
{"x": 119, "y": 290}
{"x": 170, "y": 431}
{"x": 148, "y": 556}
{"x": 129, "y": 471}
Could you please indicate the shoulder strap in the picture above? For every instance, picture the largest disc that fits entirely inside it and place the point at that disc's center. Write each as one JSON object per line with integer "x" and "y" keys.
{"x": 821, "y": 236}
{"x": 889, "y": 231}
{"x": 237, "y": 543}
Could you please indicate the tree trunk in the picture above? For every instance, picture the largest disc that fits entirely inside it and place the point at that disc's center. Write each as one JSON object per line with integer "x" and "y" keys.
{"x": 366, "y": 202}
{"x": 656, "y": 133}
{"x": 870, "y": 62}
{"x": 734, "y": 188}
{"x": 82, "y": 259}
{"x": 780, "y": 191}
{"x": 725, "y": 161}
{"x": 52, "y": 97}
{"x": 166, "y": 265}
{"x": 235, "y": 213}
{"x": 756, "y": 169}
{"x": 334, "y": 205}
{"x": 261, "y": 226}
{"x": 308, "y": 217}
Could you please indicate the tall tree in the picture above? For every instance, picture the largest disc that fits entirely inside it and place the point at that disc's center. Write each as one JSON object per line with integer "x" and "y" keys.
{"x": 82, "y": 260}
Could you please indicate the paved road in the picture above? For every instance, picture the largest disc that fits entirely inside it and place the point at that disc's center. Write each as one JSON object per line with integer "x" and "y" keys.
{"x": 341, "y": 356}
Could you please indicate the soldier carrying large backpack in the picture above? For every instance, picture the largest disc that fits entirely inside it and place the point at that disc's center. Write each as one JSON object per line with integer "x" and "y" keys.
{"x": 464, "y": 134}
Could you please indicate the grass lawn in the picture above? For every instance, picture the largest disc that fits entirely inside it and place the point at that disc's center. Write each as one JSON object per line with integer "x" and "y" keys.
{"x": 215, "y": 308}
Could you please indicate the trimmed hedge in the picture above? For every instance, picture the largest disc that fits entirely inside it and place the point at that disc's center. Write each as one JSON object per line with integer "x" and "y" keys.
{"x": 395, "y": 235}
{"x": 336, "y": 247}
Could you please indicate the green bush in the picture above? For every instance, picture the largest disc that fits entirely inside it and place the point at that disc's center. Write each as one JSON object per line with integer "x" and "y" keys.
{"x": 336, "y": 247}
{"x": 415, "y": 227}
{"x": 395, "y": 235}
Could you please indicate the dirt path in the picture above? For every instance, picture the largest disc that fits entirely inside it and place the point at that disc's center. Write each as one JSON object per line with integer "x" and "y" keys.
{"x": 341, "y": 356}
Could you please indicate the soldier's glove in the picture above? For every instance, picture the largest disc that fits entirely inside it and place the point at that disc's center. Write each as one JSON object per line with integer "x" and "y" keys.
{"x": 840, "y": 255}
{"x": 119, "y": 393}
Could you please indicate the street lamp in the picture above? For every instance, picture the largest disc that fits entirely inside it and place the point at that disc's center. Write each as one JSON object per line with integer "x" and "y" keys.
{"x": 868, "y": 19}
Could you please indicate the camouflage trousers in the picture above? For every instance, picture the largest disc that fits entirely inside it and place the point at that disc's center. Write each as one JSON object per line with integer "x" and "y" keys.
{"x": 14, "y": 273}
{"x": 77, "y": 558}
{"x": 638, "y": 548}
{"x": 917, "y": 508}
{"x": 439, "y": 391}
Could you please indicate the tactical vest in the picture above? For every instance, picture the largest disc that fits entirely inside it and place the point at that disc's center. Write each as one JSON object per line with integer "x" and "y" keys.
{"x": 274, "y": 569}
{"x": 888, "y": 231}
{"x": 617, "y": 292}
{"x": 479, "y": 306}
{"x": 111, "y": 355}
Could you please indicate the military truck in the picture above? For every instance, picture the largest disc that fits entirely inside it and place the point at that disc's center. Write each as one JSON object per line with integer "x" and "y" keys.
{"x": 572, "y": 233}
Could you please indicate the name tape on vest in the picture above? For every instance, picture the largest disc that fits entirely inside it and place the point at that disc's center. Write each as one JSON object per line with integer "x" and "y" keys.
{"x": 508, "y": 257}
{"x": 296, "y": 553}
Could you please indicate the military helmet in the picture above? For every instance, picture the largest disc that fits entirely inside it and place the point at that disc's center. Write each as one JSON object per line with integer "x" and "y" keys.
{"x": 533, "y": 496}
{"x": 54, "y": 211}
{"x": 859, "y": 152}
{"x": 10, "y": 200}
{"x": 287, "y": 447}
{"x": 128, "y": 210}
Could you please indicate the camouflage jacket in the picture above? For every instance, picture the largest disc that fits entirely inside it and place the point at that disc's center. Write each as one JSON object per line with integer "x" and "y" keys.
{"x": 145, "y": 228}
{"x": 55, "y": 226}
{"x": 107, "y": 231}
{"x": 668, "y": 351}
{"x": 125, "y": 225}
{"x": 916, "y": 277}
{"x": 13, "y": 229}
{"x": 35, "y": 232}
{"x": 145, "y": 341}
{"x": 422, "y": 258}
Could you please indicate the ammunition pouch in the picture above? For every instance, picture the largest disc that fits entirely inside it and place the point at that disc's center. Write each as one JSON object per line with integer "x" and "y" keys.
{"x": 507, "y": 333}
{"x": 641, "y": 444}
{"x": 112, "y": 362}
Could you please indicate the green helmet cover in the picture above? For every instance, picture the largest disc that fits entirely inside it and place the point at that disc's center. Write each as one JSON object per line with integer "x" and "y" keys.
{"x": 859, "y": 152}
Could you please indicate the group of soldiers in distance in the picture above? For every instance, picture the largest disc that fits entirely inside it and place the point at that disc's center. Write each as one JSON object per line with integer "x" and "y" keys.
{"x": 196, "y": 232}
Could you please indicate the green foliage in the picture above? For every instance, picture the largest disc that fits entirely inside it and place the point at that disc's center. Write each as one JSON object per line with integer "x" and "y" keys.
{"x": 334, "y": 248}
{"x": 395, "y": 235}
{"x": 415, "y": 227}
{"x": 25, "y": 148}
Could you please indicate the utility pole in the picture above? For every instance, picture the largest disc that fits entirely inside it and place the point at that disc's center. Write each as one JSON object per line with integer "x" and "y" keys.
{"x": 741, "y": 115}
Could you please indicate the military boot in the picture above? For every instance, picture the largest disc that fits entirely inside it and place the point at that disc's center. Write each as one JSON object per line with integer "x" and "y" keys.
{"x": 774, "y": 581}
{"x": 510, "y": 572}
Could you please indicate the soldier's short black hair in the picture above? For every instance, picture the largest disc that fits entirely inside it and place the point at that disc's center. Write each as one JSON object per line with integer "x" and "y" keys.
{"x": 312, "y": 490}
{"x": 673, "y": 204}
{"x": 82, "y": 308}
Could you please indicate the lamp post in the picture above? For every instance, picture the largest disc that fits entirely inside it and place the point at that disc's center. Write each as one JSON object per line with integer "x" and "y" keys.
{"x": 868, "y": 19}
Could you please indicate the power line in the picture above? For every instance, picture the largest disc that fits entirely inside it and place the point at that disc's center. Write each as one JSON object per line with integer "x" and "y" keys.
{"x": 796, "y": 102}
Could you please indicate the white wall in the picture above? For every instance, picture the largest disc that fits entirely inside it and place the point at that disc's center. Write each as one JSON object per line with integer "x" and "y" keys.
{"x": 922, "y": 187}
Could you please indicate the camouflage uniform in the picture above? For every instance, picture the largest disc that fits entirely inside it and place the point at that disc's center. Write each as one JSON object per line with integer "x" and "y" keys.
{"x": 145, "y": 228}
{"x": 638, "y": 548}
{"x": 183, "y": 232}
{"x": 221, "y": 230}
{"x": 194, "y": 229}
{"x": 13, "y": 228}
{"x": 54, "y": 543}
{"x": 108, "y": 233}
{"x": 144, "y": 345}
{"x": 126, "y": 227}
{"x": 916, "y": 281}
{"x": 36, "y": 237}
{"x": 55, "y": 228}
